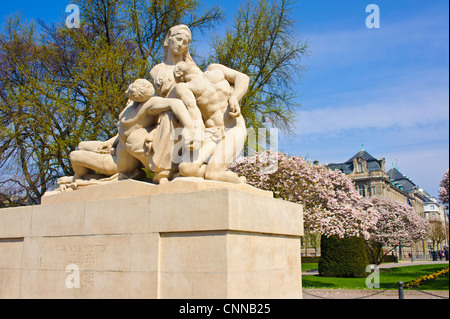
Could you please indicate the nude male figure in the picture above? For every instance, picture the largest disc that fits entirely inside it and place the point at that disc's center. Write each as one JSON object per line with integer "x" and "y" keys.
{"x": 131, "y": 147}
{"x": 212, "y": 98}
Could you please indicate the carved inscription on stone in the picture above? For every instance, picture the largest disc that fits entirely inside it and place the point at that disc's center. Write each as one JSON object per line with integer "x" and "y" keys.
{"x": 85, "y": 256}
{"x": 93, "y": 256}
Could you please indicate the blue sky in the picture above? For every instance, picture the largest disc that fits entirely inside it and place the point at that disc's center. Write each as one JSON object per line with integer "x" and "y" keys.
{"x": 386, "y": 88}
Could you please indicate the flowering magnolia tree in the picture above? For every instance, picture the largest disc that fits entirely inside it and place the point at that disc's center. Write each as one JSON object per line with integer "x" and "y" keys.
{"x": 331, "y": 204}
{"x": 443, "y": 190}
{"x": 397, "y": 223}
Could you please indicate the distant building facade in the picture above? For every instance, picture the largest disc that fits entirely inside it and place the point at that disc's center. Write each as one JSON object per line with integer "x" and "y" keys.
{"x": 370, "y": 178}
{"x": 435, "y": 214}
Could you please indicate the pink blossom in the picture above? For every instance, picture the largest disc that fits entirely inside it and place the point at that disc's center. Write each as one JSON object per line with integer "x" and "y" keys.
{"x": 397, "y": 222}
{"x": 331, "y": 204}
{"x": 443, "y": 190}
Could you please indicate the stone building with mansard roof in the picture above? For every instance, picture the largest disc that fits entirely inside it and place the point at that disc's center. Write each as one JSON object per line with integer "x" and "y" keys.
{"x": 370, "y": 178}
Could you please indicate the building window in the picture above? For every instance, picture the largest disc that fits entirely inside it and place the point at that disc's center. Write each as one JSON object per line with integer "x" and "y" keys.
{"x": 362, "y": 191}
{"x": 359, "y": 168}
{"x": 373, "y": 191}
{"x": 433, "y": 216}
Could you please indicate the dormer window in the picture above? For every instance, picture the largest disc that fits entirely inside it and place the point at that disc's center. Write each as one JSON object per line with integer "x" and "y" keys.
{"x": 359, "y": 168}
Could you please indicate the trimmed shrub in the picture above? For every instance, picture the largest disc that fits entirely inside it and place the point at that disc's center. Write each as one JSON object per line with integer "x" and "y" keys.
{"x": 343, "y": 257}
{"x": 310, "y": 259}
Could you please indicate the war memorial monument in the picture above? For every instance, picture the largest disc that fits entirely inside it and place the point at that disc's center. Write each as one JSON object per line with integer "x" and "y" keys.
{"x": 195, "y": 230}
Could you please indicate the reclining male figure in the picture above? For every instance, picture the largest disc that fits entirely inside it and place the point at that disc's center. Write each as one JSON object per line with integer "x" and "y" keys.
{"x": 212, "y": 98}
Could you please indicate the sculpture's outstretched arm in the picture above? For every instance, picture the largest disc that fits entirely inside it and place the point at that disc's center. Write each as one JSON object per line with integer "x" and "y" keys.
{"x": 185, "y": 94}
{"x": 157, "y": 105}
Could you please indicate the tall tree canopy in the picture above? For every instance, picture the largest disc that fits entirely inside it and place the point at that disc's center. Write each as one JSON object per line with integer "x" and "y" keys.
{"x": 263, "y": 44}
{"x": 60, "y": 86}
{"x": 397, "y": 223}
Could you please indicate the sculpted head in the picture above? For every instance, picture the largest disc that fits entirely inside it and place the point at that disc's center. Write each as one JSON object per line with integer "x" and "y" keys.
{"x": 177, "y": 42}
{"x": 140, "y": 90}
{"x": 185, "y": 71}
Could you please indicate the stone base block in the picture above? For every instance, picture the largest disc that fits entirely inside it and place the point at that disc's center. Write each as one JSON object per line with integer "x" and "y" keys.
{"x": 213, "y": 241}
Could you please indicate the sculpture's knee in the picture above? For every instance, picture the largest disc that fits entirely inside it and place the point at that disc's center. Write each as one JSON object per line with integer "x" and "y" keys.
{"x": 76, "y": 157}
{"x": 83, "y": 145}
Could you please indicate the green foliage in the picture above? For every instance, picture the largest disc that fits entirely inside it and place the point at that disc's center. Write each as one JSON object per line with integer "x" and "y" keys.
{"x": 311, "y": 260}
{"x": 423, "y": 280}
{"x": 60, "y": 86}
{"x": 262, "y": 43}
{"x": 389, "y": 278}
{"x": 343, "y": 257}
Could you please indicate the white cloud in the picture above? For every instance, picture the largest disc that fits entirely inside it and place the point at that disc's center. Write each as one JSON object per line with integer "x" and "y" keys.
{"x": 387, "y": 88}
{"x": 389, "y": 110}
{"x": 425, "y": 165}
{"x": 391, "y": 78}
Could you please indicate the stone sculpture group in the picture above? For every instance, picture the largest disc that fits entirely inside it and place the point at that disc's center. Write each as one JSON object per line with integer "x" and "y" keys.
{"x": 180, "y": 122}
{"x": 203, "y": 233}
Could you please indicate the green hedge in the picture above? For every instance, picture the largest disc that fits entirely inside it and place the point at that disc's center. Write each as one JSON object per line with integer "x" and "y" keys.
{"x": 315, "y": 259}
{"x": 389, "y": 259}
{"x": 343, "y": 257}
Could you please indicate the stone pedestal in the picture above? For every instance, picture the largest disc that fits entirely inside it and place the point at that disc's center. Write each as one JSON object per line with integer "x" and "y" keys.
{"x": 184, "y": 239}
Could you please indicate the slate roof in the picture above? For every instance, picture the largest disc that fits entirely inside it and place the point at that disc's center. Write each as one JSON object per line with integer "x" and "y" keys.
{"x": 362, "y": 154}
{"x": 374, "y": 166}
{"x": 395, "y": 174}
{"x": 372, "y": 163}
{"x": 397, "y": 177}
{"x": 428, "y": 197}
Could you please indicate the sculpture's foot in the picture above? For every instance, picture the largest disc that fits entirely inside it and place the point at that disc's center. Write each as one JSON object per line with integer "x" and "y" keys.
{"x": 69, "y": 183}
{"x": 227, "y": 176}
{"x": 163, "y": 180}
{"x": 161, "y": 177}
{"x": 65, "y": 180}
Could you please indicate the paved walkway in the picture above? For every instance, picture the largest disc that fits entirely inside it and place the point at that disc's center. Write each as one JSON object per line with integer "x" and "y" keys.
{"x": 376, "y": 294}
{"x": 404, "y": 263}
{"x": 371, "y": 294}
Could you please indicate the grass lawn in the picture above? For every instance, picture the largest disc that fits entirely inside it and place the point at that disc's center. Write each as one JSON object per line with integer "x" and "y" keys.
{"x": 388, "y": 278}
{"x": 310, "y": 266}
